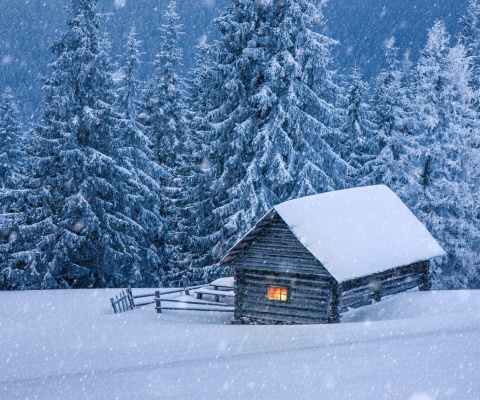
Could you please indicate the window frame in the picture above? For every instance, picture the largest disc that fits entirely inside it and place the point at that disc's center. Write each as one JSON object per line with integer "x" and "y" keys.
{"x": 287, "y": 297}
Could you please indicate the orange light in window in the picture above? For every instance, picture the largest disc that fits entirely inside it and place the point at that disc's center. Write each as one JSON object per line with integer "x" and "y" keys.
{"x": 277, "y": 293}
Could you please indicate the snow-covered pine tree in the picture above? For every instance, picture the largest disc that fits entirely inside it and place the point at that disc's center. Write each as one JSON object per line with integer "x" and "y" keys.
{"x": 11, "y": 155}
{"x": 470, "y": 39}
{"x": 359, "y": 129}
{"x": 275, "y": 132}
{"x": 130, "y": 86}
{"x": 163, "y": 111}
{"x": 77, "y": 157}
{"x": 443, "y": 197}
{"x": 133, "y": 152}
{"x": 164, "y": 114}
{"x": 294, "y": 105}
{"x": 225, "y": 138}
{"x": 25, "y": 226}
{"x": 204, "y": 225}
{"x": 394, "y": 117}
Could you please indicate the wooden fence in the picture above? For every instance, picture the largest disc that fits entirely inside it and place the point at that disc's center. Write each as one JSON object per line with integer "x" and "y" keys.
{"x": 125, "y": 301}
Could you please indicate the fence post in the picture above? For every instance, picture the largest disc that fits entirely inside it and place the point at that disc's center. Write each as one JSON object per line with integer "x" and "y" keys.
{"x": 184, "y": 283}
{"x": 130, "y": 297}
{"x": 158, "y": 303}
{"x": 113, "y": 305}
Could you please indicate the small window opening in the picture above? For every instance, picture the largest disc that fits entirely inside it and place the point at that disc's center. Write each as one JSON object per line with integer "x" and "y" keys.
{"x": 277, "y": 293}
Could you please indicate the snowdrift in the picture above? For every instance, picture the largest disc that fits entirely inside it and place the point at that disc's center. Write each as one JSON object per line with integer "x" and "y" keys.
{"x": 70, "y": 345}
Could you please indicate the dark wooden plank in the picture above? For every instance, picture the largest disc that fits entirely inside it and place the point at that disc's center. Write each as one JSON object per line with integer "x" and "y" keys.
{"x": 357, "y": 292}
{"x": 398, "y": 289}
{"x": 359, "y": 299}
{"x": 145, "y": 304}
{"x": 281, "y": 267}
{"x": 286, "y": 317}
{"x": 310, "y": 275}
{"x": 204, "y": 302}
{"x": 419, "y": 267}
{"x": 356, "y": 295}
{"x": 297, "y": 319}
{"x": 291, "y": 282}
{"x": 295, "y": 293}
{"x": 389, "y": 282}
{"x": 276, "y": 261}
{"x": 158, "y": 302}
{"x": 254, "y": 273}
{"x": 294, "y": 301}
{"x": 361, "y": 304}
{"x": 198, "y": 309}
{"x": 279, "y": 250}
{"x": 113, "y": 305}
{"x": 249, "y": 308}
{"x": 144, "y": 295}
{"x": 397, "y": 279}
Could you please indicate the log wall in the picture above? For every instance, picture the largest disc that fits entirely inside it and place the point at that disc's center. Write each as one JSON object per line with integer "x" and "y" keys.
{"x": 362, "y": 291}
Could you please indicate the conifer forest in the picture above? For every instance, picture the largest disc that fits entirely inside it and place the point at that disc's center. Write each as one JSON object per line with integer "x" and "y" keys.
{"x": 129, "y": 181}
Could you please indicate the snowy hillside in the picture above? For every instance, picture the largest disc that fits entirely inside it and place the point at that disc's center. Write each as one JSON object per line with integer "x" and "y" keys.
{"x": 70, "y": 345}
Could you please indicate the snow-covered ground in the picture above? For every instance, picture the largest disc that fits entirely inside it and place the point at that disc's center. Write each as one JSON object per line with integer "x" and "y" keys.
{"x": 70, "y": 345}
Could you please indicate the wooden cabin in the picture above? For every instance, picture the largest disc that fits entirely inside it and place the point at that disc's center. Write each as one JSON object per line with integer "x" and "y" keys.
{"x": 310, "y": 259}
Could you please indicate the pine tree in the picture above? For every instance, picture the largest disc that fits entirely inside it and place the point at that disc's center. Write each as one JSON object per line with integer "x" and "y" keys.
{"x": 135, "y": 155}
{"x": 447, "y": 160}
{"x": 296, "y": 118}
{"x": 164, "y": 114}
{"x": 164, "y": 109}
{"x": 130, "y": 85}
{"x": 275, "y": 132}
{"x": 204, "y": 226}
{"x": 469, "y": 38}
{"x": 77, "y": 147}
{"x": 394, "y": 116}
{"x": 25, "y": 226}
{"x": 11, "y": 155}
{"x": 358, "y": 129}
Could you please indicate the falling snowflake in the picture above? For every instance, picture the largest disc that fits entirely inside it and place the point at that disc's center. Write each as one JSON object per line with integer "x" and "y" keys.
{"x": 120, "y": 3}
{"x": 6, "y": 60}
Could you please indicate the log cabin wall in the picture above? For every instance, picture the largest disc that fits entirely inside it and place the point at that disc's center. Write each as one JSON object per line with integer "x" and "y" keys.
{"x": 275, "y": 257}
{"x": 363, "y": 291}
{"x": 310, "y": 299}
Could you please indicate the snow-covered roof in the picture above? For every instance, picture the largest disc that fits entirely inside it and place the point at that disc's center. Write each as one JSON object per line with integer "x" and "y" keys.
{"x": 358, "y": 232}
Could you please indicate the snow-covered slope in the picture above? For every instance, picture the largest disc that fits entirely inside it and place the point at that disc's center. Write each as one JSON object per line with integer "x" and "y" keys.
{"x": 69, "y": 345}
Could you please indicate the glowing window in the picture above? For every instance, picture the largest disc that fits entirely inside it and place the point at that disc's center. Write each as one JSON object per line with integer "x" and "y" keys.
{"x": 277, "y": 293}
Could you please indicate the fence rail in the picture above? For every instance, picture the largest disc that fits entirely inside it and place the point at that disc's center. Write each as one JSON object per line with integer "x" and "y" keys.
{"x": 202, "y": 306}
